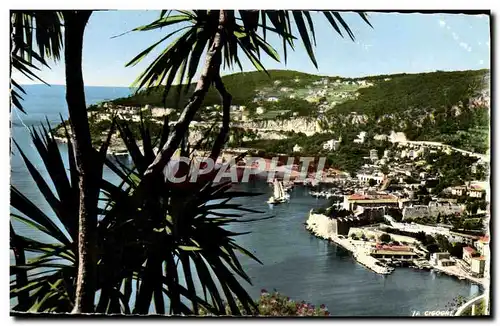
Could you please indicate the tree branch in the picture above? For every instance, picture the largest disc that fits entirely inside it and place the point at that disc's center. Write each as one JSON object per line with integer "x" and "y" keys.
{"x": 209, "y": 72}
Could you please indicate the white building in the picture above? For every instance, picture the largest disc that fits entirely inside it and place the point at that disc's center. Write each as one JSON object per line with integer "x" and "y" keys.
{"x": 458, "y": 191}
{"x": 437, "y": 256}
{"x": 297, "y": 148}
{"x": 483, "y": 245}
{"x": 260, "y": 110}
{"x": 397, "y": 137}
{"x": 272, "y": 99}
{"x": 361, "y": 137}
{"x": 373, "y": 155}
{"x": 380, "y": 137}
{"x": 332, "y": 144}
{"x": 378, "y": 177}
{"x": 387, "y": 153}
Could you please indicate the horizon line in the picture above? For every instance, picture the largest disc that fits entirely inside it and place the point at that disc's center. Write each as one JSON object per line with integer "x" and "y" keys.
{"x": 317, "y": 74}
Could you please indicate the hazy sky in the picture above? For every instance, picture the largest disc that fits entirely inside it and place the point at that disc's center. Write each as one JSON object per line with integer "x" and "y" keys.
{"x": 397, "y": 43}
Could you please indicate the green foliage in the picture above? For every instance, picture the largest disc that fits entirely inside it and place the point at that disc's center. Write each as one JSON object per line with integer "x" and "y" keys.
{"x": 278, "y": 305}
{"x": 242, "y": 86}
{"x": 241, "y": 33}
{"x": 385, "y": 238}
{"x": 403, "y": 91}
{"x": 36, "y": 37}
{"x": 146, "y": 239}
{"x": 453, "y": 169}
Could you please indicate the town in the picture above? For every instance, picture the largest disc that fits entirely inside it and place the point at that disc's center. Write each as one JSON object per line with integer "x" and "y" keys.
{"x": 391, "y": 213}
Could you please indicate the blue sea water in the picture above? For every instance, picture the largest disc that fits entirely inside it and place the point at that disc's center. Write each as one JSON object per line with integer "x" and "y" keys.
{"x": 294, "y": 262}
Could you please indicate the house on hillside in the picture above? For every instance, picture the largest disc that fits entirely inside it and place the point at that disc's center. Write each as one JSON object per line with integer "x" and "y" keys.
{"x": 360, "y": 138}
{"x": 380, "y": 137}
{"x": 332, "y": 144}
{"x": 397, "y": 137}
{"x": 297, "y": 148}
{"x": 260, "y": 110}
{"x": 476, "y": 191}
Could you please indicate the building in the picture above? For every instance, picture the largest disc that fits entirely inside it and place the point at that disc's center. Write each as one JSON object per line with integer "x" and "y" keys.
{"x": 476, "y": 191}
{"x": 380, "y": 137}
{"x": 393, "y": 252}
{"x": 260, "y": 110}
{"x": 373, "y": 155}
{"x": 378, "y": 177}
{"x": 360, "y": 138}
{"x": 352, "y": 202}
{"x": 332, "y": 144}
{"x": 387, "y": 153}
{"x": 297, "y": 148}
{"x": 468, "y": 253}
{"x": 437, "y": 256}
{"x": 483, "y": 245}
{"x": 446, "y": 262}
{"x": 272, "y": 99}
{"x": 397, "y": 137}
{"x": 477, "y": 265}
{"x": 458, "y": 191}
{"x": 433, "y": 209}
{"x": 415, "y": 211}
{"x": 342, "y": 225}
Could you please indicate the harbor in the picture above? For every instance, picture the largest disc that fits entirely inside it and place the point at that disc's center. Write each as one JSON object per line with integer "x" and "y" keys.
{"x": 318, "y": 225}
{"x": 321, "y": 226}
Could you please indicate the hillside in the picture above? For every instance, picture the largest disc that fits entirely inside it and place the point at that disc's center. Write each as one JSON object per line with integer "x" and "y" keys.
{"x": 450, "y": 107}
{"x": 242, "y": 86}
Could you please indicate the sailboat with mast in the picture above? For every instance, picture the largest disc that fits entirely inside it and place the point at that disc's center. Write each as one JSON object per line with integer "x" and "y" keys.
{"x": 279, "y": 194}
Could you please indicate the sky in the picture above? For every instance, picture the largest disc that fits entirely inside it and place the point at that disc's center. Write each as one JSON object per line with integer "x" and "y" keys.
{"x": 397, "y": 43}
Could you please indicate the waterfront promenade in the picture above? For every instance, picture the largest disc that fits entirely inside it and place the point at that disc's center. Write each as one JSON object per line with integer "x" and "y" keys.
{"x": 456, "y": 271}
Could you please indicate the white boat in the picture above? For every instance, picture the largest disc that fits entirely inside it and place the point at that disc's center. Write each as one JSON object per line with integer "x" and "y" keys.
{"x": 279, "y": 194}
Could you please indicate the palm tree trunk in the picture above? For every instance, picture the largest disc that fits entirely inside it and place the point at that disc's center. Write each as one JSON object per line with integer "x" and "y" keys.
{"x": 86, "y": 156}
{"x": 226, "y": 106}
{"x": 210, "y": 71}
{"x": 23, "y": 299}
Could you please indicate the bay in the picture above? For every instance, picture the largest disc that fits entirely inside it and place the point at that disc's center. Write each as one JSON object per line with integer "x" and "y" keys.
{"x": 295, "y": 263}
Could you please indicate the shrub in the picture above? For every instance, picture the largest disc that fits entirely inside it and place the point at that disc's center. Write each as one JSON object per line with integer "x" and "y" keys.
{"x": 385, "y": 238}
{"x": 276, "y": 304}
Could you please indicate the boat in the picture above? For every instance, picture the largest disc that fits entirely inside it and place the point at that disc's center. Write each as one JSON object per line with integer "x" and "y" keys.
{"x": 279, "y": 195}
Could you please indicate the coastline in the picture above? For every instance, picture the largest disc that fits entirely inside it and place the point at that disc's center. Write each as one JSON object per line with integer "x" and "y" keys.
{"x": 319, "y": 226}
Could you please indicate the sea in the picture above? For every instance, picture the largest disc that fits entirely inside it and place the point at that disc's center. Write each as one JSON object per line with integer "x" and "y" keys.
{"x": 294, "y": 262}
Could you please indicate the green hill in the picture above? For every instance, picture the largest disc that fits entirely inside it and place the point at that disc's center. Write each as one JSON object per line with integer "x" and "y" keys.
{"x": 423, "y": 91}
{"x": 242, "y": 86}
{"x": 449, "y": 107}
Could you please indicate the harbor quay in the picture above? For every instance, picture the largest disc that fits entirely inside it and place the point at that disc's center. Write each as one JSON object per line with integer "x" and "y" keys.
{"x": 381, "y": 258}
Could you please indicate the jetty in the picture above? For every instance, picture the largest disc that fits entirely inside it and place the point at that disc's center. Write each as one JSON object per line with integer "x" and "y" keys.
{"x": 320, "y": 225}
